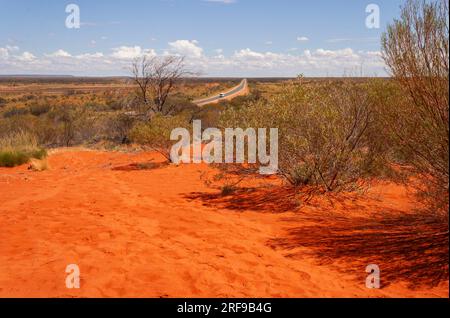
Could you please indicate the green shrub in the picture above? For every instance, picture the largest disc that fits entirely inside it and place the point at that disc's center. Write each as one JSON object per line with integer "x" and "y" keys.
{"x": 114, "y": 104}
{"x": 156, "y": 133}
{"x": 227, "y": 190}
{"x": 118, "y": 127}
{"x": 209, "y": 115}
{"x": 18, "y": 149}
{"x": 12, "y": 159}
{"x": 38, "y": 109}
{"x": 74, "y": 124}
{"x": 328, "y": 134}
{"x": 416, "y": 50}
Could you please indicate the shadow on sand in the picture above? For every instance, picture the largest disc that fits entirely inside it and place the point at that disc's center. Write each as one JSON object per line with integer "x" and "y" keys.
{"x": 409, "y": 248}
{"x": 352, "y": 233}
{"x": 270, "y": 200}
{"x": 141, "y": 166}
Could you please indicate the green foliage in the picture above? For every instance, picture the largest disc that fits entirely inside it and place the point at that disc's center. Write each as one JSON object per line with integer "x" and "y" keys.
{"x": 119, "y": 127}
{"x": 416, "y": 50}
{"x": 327, "y": 134}
{"x": 156, "y": 133}
{"x": 11, "y": 159}
{"x": 74, "y": 122}
{"x": 18, "y": 149}
{"x": 38, "y": 109}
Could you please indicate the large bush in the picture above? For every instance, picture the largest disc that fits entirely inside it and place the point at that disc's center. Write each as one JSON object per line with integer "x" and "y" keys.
{"x": 327, "y": 133}
{"x": 415, "y": 47}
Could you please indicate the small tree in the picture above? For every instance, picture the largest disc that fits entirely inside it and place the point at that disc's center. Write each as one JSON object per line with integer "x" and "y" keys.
{"x": 155, "y": 78}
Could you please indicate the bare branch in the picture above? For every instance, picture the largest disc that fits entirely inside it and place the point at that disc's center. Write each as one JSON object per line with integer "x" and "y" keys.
{"x": 155, "y": 78}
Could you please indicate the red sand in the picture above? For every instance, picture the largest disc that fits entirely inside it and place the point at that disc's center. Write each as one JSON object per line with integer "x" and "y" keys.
{"x": 140, "y": 233}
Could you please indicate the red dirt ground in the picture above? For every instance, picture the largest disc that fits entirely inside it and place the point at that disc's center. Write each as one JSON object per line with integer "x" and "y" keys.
{"x": 163, "y": 233}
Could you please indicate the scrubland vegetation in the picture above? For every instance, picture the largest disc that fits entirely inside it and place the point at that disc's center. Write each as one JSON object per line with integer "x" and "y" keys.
{"x": 335, "y": 134}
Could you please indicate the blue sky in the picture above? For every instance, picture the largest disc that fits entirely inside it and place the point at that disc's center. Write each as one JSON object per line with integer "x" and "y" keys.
{"x": 219, "y": 37}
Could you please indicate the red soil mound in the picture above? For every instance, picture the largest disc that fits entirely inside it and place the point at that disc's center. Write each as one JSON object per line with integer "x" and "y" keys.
{"x": 139, "y": 228}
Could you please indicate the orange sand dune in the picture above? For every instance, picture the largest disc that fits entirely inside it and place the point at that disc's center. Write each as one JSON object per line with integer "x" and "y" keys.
{"x": 141, "y": 231}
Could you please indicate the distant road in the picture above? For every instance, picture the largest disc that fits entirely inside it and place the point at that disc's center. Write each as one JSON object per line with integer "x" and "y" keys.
{"x": 239, "y": 90}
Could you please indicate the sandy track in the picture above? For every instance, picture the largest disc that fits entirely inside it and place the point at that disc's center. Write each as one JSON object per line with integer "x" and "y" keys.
{"x": 139, "y": 233}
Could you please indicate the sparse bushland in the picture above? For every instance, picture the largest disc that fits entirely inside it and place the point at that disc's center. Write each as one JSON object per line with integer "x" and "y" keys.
{"x": 253, "y": 96}
{"x": 66, "y": 117}
{"x": 416, "y": 50}
{"x": 18, "y": 149}
{"x": 89, "y": 119}
{"x": 74, "y": 124}
{"x": 15, "y": 111}
{"x": 210, "y": 114}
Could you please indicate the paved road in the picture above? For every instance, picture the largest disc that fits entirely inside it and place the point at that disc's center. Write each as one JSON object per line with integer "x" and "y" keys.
{"x": 235, "y": 90}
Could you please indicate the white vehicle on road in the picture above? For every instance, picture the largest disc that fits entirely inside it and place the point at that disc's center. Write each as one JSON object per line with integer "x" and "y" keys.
{"x": 239, "y": 90}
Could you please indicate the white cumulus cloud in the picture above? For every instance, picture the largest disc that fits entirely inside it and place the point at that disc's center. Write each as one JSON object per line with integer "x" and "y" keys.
{"x": 59, "y": 53}
{"x": 26, "y": 56}
{"x": 131, "y": 52}
{"x": 186, "y": 48}
{"x": 242, "y": 62}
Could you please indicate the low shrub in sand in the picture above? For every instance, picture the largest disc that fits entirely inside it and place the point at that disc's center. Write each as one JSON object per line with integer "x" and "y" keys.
{"x": 155, "y": 134}
{"x": 18, "y": 149}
